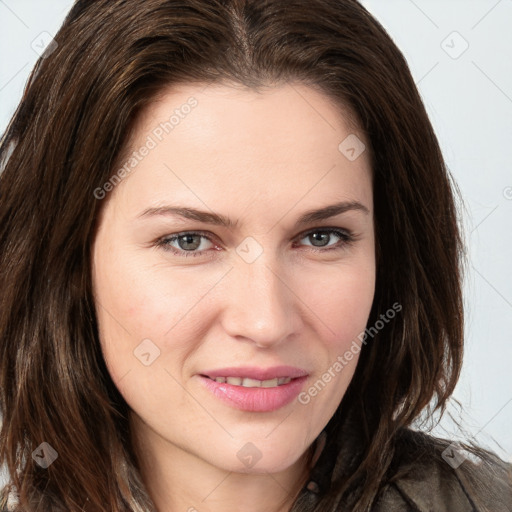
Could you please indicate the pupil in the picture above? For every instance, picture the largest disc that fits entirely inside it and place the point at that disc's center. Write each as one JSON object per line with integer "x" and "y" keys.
{"x": 188, "y": 239}
{"x": 315, "y": 235}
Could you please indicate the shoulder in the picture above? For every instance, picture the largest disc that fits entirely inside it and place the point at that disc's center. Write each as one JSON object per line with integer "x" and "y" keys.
{"x": 430, "y": 474}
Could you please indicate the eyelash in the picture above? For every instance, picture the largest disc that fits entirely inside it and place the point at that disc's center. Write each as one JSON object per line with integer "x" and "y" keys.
{"x": 346, "y": 236}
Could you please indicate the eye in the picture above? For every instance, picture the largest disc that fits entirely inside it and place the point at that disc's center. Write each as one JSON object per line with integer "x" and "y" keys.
{"x": 190, "y": 243}
{"x": 321, "y": 237}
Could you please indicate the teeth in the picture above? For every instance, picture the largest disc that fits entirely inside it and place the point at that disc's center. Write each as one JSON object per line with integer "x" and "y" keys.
{"x": 253, "y": 383}
{"x": 272, "y": 383}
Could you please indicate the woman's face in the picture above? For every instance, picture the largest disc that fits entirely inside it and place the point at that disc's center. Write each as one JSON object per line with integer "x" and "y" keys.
{"x": 274, "y": 288}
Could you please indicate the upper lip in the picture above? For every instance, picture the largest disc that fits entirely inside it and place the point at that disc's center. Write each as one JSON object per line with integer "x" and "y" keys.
{"x": 253, "y": 372}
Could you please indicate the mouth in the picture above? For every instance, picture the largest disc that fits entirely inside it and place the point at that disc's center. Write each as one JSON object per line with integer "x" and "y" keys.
{"x": 247, "y": 382}
{"x": 255, "y": 389}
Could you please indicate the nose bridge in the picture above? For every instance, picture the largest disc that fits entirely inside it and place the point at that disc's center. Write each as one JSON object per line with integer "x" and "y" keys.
{"x": 260, "y": 304}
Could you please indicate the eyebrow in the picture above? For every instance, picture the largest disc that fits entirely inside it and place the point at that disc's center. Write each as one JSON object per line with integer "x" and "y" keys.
{"x": 220, "y": 220}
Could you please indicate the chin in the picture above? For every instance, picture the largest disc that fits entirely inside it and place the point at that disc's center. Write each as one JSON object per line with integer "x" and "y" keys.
{"x": 260, "y": 456}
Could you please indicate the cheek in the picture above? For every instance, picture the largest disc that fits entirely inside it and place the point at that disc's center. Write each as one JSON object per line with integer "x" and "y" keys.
{"x": 341, "y": 297}
{"x": 139, "y": 301}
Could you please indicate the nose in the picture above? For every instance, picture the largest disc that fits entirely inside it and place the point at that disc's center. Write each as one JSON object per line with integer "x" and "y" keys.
{"x": 260, "y": 305}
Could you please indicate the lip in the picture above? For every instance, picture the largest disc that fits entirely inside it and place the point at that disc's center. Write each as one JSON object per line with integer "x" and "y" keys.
{"x": 253, "y": 372}
{"x": 255, "y": 399}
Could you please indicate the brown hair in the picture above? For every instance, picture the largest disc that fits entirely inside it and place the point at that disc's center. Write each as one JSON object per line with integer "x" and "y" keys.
{"x": 64, "y": 141}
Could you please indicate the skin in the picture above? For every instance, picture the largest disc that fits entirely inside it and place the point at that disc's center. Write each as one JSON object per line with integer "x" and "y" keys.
{"x": 261, "y": 159}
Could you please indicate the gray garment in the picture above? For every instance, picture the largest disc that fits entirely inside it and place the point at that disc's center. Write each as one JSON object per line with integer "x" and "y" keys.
{"x": 428, "y": 483}
{"x": 427, "y": 474}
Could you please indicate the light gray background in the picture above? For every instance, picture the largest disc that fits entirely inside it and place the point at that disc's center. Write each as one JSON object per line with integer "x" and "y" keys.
{"x": 468, "y": 95}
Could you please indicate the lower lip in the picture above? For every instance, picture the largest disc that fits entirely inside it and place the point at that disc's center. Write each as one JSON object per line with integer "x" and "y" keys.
{"x": 255, "y": 399}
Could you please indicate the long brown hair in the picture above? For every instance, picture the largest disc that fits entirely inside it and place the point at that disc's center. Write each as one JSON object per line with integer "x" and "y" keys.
{"x": 65, "y": 140}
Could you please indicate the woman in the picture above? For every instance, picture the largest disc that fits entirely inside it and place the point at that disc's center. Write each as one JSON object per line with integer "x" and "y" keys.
{"x": 283, "y": 146}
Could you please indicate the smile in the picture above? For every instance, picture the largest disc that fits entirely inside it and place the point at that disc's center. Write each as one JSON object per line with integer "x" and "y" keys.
{"x": 246, "y": 382}
{"x": 254, "y": 395}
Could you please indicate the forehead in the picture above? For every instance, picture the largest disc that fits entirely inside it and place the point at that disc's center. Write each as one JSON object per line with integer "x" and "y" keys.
{"x": 222, "y": 143}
